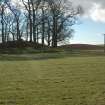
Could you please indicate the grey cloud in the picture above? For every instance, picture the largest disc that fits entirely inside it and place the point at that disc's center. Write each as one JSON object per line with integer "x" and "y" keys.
{"x": 87, "y": 4}
{"x": 94, "y": 9}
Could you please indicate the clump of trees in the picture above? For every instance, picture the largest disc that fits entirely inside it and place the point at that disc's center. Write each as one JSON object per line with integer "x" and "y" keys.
{"x": 39, "y": 21}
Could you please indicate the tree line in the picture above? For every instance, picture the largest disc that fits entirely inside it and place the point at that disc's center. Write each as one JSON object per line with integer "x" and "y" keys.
{"x": 48, "y": 22}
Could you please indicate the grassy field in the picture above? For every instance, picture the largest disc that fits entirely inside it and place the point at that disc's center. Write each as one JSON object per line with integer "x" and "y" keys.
{"x": 66, "y": 80}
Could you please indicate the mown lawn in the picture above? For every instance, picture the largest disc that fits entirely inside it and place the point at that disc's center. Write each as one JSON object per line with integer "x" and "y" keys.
{"x": 60, "y": 81}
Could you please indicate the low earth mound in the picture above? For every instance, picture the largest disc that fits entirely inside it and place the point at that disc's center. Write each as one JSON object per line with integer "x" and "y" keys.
{"x": 20, "y": 44}
{"x": 83, "y": 46}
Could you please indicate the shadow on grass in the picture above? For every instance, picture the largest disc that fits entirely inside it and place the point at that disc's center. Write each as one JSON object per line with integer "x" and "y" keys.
{"x": 26, "y": 57}
{"x": 30, "y": 54}
{"x": 46, "y": 56}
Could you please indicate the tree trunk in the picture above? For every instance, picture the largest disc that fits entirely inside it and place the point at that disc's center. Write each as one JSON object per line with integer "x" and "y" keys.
{"x": 43, "y": 27}
{"x": 18, "y": 31}
{"x": 27, "y": 32}
{"x": 54, "y": 37}
{"x": 48, "y": 33}
{"x": 3, "y": 35}
{"x": 34, "y": 20}
{"x": 37, "y": 36}
{"x": 30, "y": 21}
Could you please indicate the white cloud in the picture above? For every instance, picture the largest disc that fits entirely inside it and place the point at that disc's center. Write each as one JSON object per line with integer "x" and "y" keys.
{"x": 94, "y": 9}
{"x": 97, "y": 13}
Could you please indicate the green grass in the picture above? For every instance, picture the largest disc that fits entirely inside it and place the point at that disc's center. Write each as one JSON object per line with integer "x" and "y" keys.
{"x": 65, "y": 80}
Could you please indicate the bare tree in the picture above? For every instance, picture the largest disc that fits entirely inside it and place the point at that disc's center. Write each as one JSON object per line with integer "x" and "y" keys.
{"x": 17, "y": 13}
{"x": 63, "y": 15}
{"x": 2, "y": 22}
{"x": 48, "y": 22}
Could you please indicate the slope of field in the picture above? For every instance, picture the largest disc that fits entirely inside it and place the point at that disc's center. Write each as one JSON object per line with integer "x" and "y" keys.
{"x": 64, "y": 81}
{"x": 83, "y": 46}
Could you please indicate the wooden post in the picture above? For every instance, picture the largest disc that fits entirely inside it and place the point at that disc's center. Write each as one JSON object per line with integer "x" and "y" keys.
{"x": 104, "y": 43}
